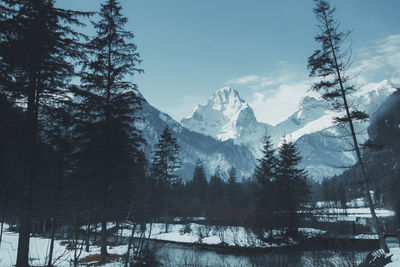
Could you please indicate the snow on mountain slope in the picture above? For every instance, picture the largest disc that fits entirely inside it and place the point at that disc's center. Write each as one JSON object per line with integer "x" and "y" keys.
{"x": 327, "y": 151}
{"x": 226, "y": 116}
{"x": 310, "y": 111}
{"x": 212, "y": 152}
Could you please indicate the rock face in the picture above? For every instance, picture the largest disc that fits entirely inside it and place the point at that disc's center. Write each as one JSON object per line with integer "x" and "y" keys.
{"x": 226, "y": 116}
{"x": 324, "y": 146}
{"x": 212, "y": 152}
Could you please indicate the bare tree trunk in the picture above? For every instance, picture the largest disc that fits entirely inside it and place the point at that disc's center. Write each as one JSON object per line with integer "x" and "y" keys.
{"x": 52, "y": 236}
{"x": 129, "y": 246}
{"x": 142, "y": 240}
{"x": 367, "y": 193}
{"x": 44, "y": 224}
{"x": 88, "y": 229}
{"x": 57, "y": 195}
{"x": 3, "y": 215}
{"x": 27, "y": 196}
{"x": 103, "y": 249}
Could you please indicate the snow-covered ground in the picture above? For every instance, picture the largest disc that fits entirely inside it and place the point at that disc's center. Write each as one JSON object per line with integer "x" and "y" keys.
{"x": 39, "y": 248}
{"x": 395, "y": 258}
{"x": 330, "y": 211}
{"x": 213, "y": 235}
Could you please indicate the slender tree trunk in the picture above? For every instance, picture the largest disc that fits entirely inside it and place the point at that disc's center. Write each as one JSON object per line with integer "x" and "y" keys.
{"x": 43, "y": 230}
{"x": 128, "y": 253}
{"x": 52, "y": 236}
{"x": 75, "y": 240}
{"x": 367, "y": 193}
{"x": 3, "y": 215}
{"x": 95, "y": 233}
{"x": 55, "y": 208}
{"x": 25, "y": 216}
{"x": 103, "y": 249}
{"x": 88, "y": 228}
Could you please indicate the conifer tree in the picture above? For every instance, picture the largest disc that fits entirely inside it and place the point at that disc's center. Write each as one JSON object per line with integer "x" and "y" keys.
{"x": 216, "y": 187}
{"x": 199, "y": 182}
{"x": 265, "y": 175}
{"x": 38, "y": 46}
{"x": 232, "y": 179}
{"x": 109, "y": 100}
{"x": 58, "y": 136}
{"x": 166, "y": 161}
{"x": 330, "y": 64}
{"x": 291, "y": 189}
{"x": 163, "y": 170}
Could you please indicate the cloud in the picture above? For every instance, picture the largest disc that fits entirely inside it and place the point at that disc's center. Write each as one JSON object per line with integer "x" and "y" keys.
{"x": 273, "y": 108}
{"x": 379, "y": 60}
{"x": 276, "y": 95}
{"x": 284, "y": 73}
{"x": 183, "y": 106}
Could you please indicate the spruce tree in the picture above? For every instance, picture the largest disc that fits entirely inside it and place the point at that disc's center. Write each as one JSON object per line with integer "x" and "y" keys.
{"x": 330, "y": 64}
{"x": 291, "y": 189}
{"x": 163, "y": 171}
{"x": 199, "y": 182}
{"x": 216, "y": 187}
{"x": 38, "y": 47}
{"x": 109, "y": 100}
{"x": 232, "y": 178}
{"x": 265, "y": 175}
{"x": 58, "y": 136}
{"x": 165, "y": 160}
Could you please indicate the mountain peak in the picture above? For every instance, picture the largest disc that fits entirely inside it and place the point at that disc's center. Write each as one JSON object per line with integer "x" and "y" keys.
{"x": 226, "y": 97}
{"x": 225, "y": 116}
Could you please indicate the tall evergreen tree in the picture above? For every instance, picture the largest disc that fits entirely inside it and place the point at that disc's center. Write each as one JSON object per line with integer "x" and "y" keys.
{"x": 232, "y": 177}
{"x": 330, "y": 64}
{"x": 265, "y": 175}
{"x": 163, "y": 171}
{"x": 291, "y": 189}
{"x": 58, "y": 136}
{"x": 109, "y": 100}
{"x": 199, "y": 182}
{"x": 166, "y": 161}
{"x": 216, "y": 187}
{"x": 38, "y": 45}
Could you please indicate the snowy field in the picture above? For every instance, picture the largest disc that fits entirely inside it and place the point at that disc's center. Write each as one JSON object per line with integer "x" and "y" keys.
{"x": 213, "y": 235}
{"x": 176, "y": 255}
{"x": 39, "y": 248}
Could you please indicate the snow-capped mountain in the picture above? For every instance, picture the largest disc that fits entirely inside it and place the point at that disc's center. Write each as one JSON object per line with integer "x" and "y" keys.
{"x": 226, "y": 116}
{"x": 212, "y": 152}
{"x": 327, "y": 152}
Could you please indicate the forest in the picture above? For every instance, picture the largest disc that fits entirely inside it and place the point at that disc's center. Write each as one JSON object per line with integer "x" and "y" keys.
{"x": 73, "y": 167}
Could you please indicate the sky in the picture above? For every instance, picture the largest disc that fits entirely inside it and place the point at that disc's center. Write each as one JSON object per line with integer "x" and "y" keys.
{"x": 260, "y": 48}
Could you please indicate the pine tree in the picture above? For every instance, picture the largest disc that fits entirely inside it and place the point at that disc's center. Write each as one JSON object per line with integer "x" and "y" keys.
{"x": 216, "y": 187}
{"x": 38, "y": 47}
{"x": 165, "y": 164}
{"x": 265, "y": 174}
{"x": 199, "y": 183}
{"x": 330, "y": 64}
{"x": 58, "y": 135}
{"x": 232, "y": 179}
{"x": 291, "y": 189}
{"x": 109, "y": 100}
{"x": 166, "y": 161}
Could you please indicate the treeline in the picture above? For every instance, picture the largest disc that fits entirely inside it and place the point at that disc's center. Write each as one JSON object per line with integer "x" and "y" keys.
{"x": 271, "y": 199}
{"x": 71, "y": 156}
{"x": 70, "y": 153}
{"x": 382, "y": 156}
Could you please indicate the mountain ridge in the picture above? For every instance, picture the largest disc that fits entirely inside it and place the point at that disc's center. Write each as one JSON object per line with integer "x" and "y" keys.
{"x": 226, "y": 116}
